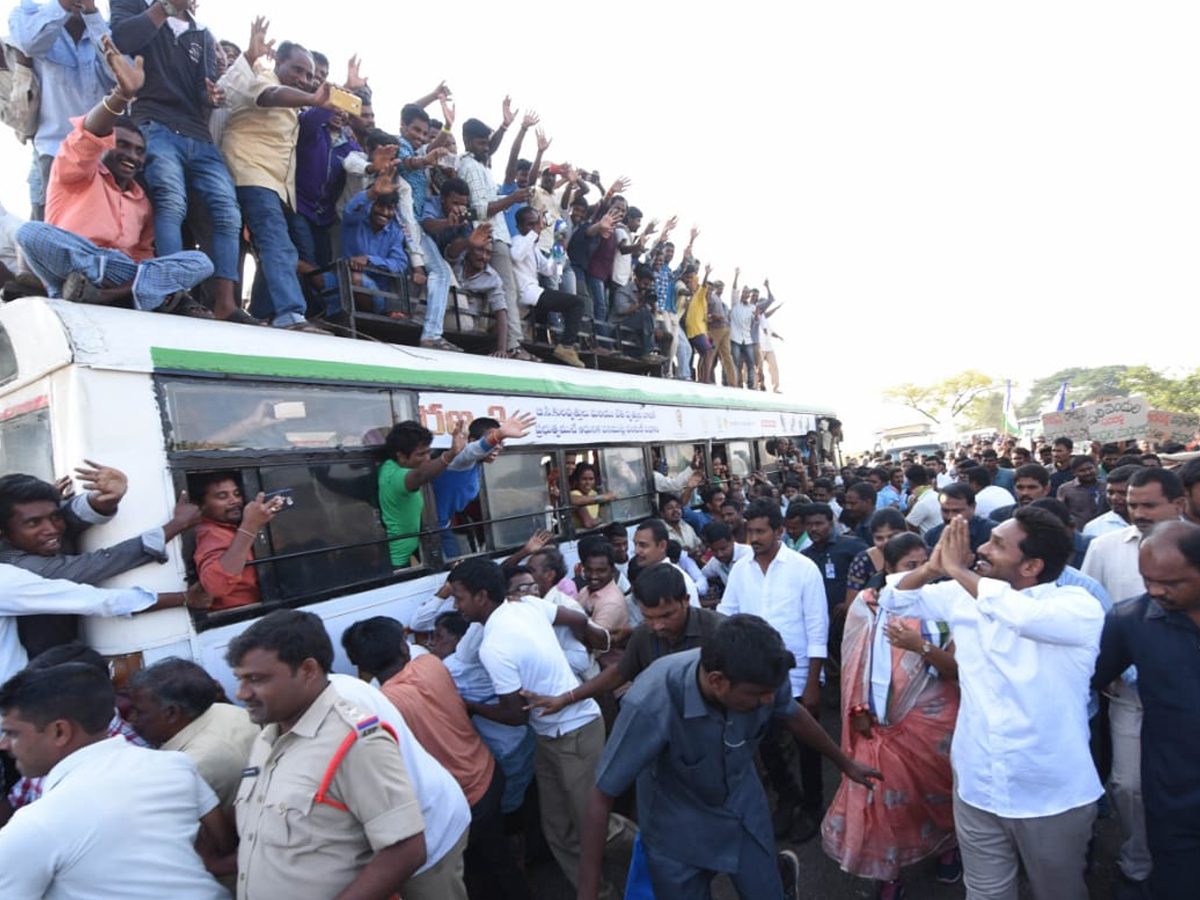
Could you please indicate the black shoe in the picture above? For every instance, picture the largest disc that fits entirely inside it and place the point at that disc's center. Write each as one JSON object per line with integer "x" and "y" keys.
{"x": 789, "y": 873}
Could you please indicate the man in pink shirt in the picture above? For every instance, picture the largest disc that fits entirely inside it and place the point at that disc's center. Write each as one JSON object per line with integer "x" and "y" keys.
{"x": 96, "y": 243}
{"x": 601, "y": 598}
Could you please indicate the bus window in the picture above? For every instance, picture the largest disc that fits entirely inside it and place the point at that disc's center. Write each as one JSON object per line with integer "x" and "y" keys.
{"x": 738, "y": 458}
{"x": 624, "y": 470}
{"x": 8, "y": 358}
{"x": 25, "y": 445}
{"x": 206, "y": 415}
{"x": 334, "y": 512}
{"x": 518, "y": 497}
{"x": 678, "y": 456}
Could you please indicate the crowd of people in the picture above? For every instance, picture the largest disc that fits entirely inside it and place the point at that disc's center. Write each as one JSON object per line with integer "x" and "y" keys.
{"x": 163, "y": 154}
{"x": 993, "y": 673}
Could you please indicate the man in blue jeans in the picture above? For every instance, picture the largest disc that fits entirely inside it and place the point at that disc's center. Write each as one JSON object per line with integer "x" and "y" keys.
{"x": 259, "y": 145}
{"x": 172, "y": 109}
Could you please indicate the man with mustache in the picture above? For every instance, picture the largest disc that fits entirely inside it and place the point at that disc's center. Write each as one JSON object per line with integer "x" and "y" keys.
{"x": 1153, "y": 496}
{"x": 96, "y": 245}
{"x": 1025, "y": 787}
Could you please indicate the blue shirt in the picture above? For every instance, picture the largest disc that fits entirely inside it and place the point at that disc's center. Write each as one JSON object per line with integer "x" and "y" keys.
{"x": 447, "y": 236}
{"x": 1163, "y": 645}
{"x": 74, "y": 77}
{"x": 384, "y": 249}
{"x": 697, "y": 518}
{"x": 418, "y": 179}
{"x": 698, "y": 791}
{"x": 979, "y": 530}
{"x": 889, "y": 496}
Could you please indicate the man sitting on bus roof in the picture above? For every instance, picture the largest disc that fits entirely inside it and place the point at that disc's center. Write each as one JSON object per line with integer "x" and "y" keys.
{"x": 226, "y": 536}
{"x": 96, "y": 245}
{"x": 37, "y": 527}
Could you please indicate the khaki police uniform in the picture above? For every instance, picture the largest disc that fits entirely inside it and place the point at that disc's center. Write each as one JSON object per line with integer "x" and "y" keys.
{"x": 294, "y": 846}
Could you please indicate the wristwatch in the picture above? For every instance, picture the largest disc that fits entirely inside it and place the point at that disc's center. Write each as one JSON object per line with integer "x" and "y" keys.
{"x": 925, "y": 648}
{"x": 168, "y": 7}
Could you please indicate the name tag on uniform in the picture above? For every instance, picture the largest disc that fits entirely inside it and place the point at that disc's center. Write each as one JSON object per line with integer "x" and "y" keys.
{"x": 251, "y": 772}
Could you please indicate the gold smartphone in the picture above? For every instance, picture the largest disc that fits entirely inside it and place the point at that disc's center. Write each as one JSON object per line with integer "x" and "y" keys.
{"x": 345, "y": 101}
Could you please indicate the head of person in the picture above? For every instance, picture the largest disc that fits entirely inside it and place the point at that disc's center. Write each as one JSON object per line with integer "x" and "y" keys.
{"x": 1061, "y": 452}
{"x": 793, "y": 519}
{"x": 822, "y": 490}
{"x": 548, "y": 567}
{"x": 1020, "y": 456}
{"x": 1149, "y": 459}
{"x": 712, "y": 497}
{"x": 818, "y": 522}
{"x": 1153, "y": 496}
{"x": 529, "y": 219}
{"x": 409, "y": 444}
{"x": 231, "y": 50}
{"x": 454, "y": 194}
{"x": 896, "y": 478}
{"x": 860, "y": 503}
{"x": 662, "y": 597}
{"x": 670, "y": 510}
{"x": 584, "y": 477}
{"x": 294, "y": 66}
{"x": 916, "y": 476}
{"x": 956, "y": 500}
{"x": 1045, "y": 453}
{"x": 764, "y": 527}
{"x": 363, "y": 123}
{"x": 1116, "y": 489}
{"x": 731, "y": 514}
{"x": 668, "y": 252}
{"x": 791, "y": 489}
{"x": 478, "y": 587}
{"x": 320, "y": 68}
{"x": 219, "y": 495}
{"x": 47, "y": 713}
{"x": 650, "y": 542}
{"x": 383, "y": 211}
{"x": 578, "y": 211}
{"x": 414, "y": 124}
{"x": 127, "y": 156}
{"x": 904, "y": 552}
{"x": 1169, "y": 562}
{"x": 599, "y": 563}
{"x": 282, "y": 664}
{"x": 476, "y": 138}
{"x": 1189, "y": 474}
{"x": 885, "y": 524}
{"x": 1109, "y": 454}
{"x": 481, "y": 428}
{"x": 1030, "y": 482}
{"x": 376, "y": 646}
{"x": 990, "y": 460}
{"x": 744, "y": 664}
{"x": 719, "y": 538}
{"x": 1056, "y": 506}
{"x": 31, "y": 517}
{"x": 1084, "y": 469}
{"x": 1030, "y": 548}
{"x": 167, "y": 696}
{"x": 978, "y": 478}
{"x": 520, "y": 582}
{"x": 618, "y": 539}
{"x": 448, "y": 630}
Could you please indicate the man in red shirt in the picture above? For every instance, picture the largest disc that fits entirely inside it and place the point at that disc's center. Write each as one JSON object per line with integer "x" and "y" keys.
{"x": 96, "y": 245}
{"x": 225, "y": 538}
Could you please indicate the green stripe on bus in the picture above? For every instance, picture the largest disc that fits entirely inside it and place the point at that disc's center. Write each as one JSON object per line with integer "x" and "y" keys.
{"x": 176, "y": 359}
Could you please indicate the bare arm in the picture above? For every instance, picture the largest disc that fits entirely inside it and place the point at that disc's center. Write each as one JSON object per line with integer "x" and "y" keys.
{"x": 509, "y": 711}
{"x": 384, "y": 875}
{"x": 591, "y": 844}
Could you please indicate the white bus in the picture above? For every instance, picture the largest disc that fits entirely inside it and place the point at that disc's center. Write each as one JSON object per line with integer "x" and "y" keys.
{"x": 163, "y": 398}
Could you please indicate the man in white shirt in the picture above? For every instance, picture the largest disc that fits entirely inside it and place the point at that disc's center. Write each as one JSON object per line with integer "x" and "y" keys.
{"x": 527, "y": 263}
{"x": 522, "y": 655}
{"x": 1152, "y": 496}
{"x": 988, "y": 497}
{"x": 114, "y": 819}
{"x": 1025, "y": 787}
{"x": 925, "y": 511}
{"x": 787, "y": 590}
{"x": 650, "y": 548}
{"x": 1117, "y": 516}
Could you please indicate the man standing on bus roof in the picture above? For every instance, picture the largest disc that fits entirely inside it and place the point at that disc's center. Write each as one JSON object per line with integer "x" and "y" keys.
{"x": 407, "y": 468}
{"x": 37, "y": 528}
{"x": 96, "y": 245}
{"x": 226, "y": 536}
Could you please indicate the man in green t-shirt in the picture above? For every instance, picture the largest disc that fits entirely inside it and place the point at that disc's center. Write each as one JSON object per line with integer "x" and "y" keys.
{"x": 407, "y": 468}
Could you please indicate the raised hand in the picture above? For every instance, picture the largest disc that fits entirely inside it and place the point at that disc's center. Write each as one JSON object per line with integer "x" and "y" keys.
{"x": 508, "y": 114}
{"x": 693, "y": 234}
{"x": 481, "y": 237}
{"x": 382, "y": 156}
{"x": 543, "y": 142}
{"x": 531, "y": 119}
{"x": 671, "y": 224}
{"x": 259, "y": 511}
{"x": 353, "y": 79}
{"x": 106, "y": 484}
{"x": 65, "y": 487}
{"x": 130, "y": 78}
{"x": 516, "y": 427}
{"x": 186, "y": 514}
{"x": 537, "y": 541}
{"x": 259, "y": 46}
{"x": 443, "y": 90}
{"x": 458, "y": 439}
{"x": 447, "y": 110}
{"x": 322, "y": 96}
{"x": 622, "y": 184}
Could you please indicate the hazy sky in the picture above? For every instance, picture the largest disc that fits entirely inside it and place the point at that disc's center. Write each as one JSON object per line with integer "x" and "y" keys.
{"x": 929, "y": 186}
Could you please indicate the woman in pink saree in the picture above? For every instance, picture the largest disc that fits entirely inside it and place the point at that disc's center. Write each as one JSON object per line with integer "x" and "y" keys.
{"x": 899, "y": 703}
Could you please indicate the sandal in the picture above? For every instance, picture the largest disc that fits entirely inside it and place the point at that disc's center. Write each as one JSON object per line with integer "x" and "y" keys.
{"x": 240, "y": 317}
{"x": 440, "y": 344}
{"x": 181, "y": 303}
{"x": 78, "y": 289}
{"x": 521, "y": 354}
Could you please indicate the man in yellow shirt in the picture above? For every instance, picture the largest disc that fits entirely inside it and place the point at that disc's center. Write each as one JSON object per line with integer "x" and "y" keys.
{"x": 695, "y": 326}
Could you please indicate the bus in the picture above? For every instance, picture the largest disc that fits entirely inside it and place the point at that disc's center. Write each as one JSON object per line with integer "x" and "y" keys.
{"x": 165, "y": 399}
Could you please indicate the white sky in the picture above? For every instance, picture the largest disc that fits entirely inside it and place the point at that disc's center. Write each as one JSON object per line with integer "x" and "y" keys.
{"x": 930, "y": 186}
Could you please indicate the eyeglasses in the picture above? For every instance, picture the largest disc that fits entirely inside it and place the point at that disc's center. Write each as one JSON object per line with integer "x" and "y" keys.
{"x": 519, "y": 590}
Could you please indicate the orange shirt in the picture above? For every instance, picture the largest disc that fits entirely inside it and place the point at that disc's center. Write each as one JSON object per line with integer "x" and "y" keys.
{"x": 212, "y": 540}
{"x": 83, "y": 198}
{"x": 426, "y": 696}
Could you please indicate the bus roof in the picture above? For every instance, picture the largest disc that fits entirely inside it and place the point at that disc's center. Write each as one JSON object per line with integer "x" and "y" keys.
{"x": 47, "y": 334}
